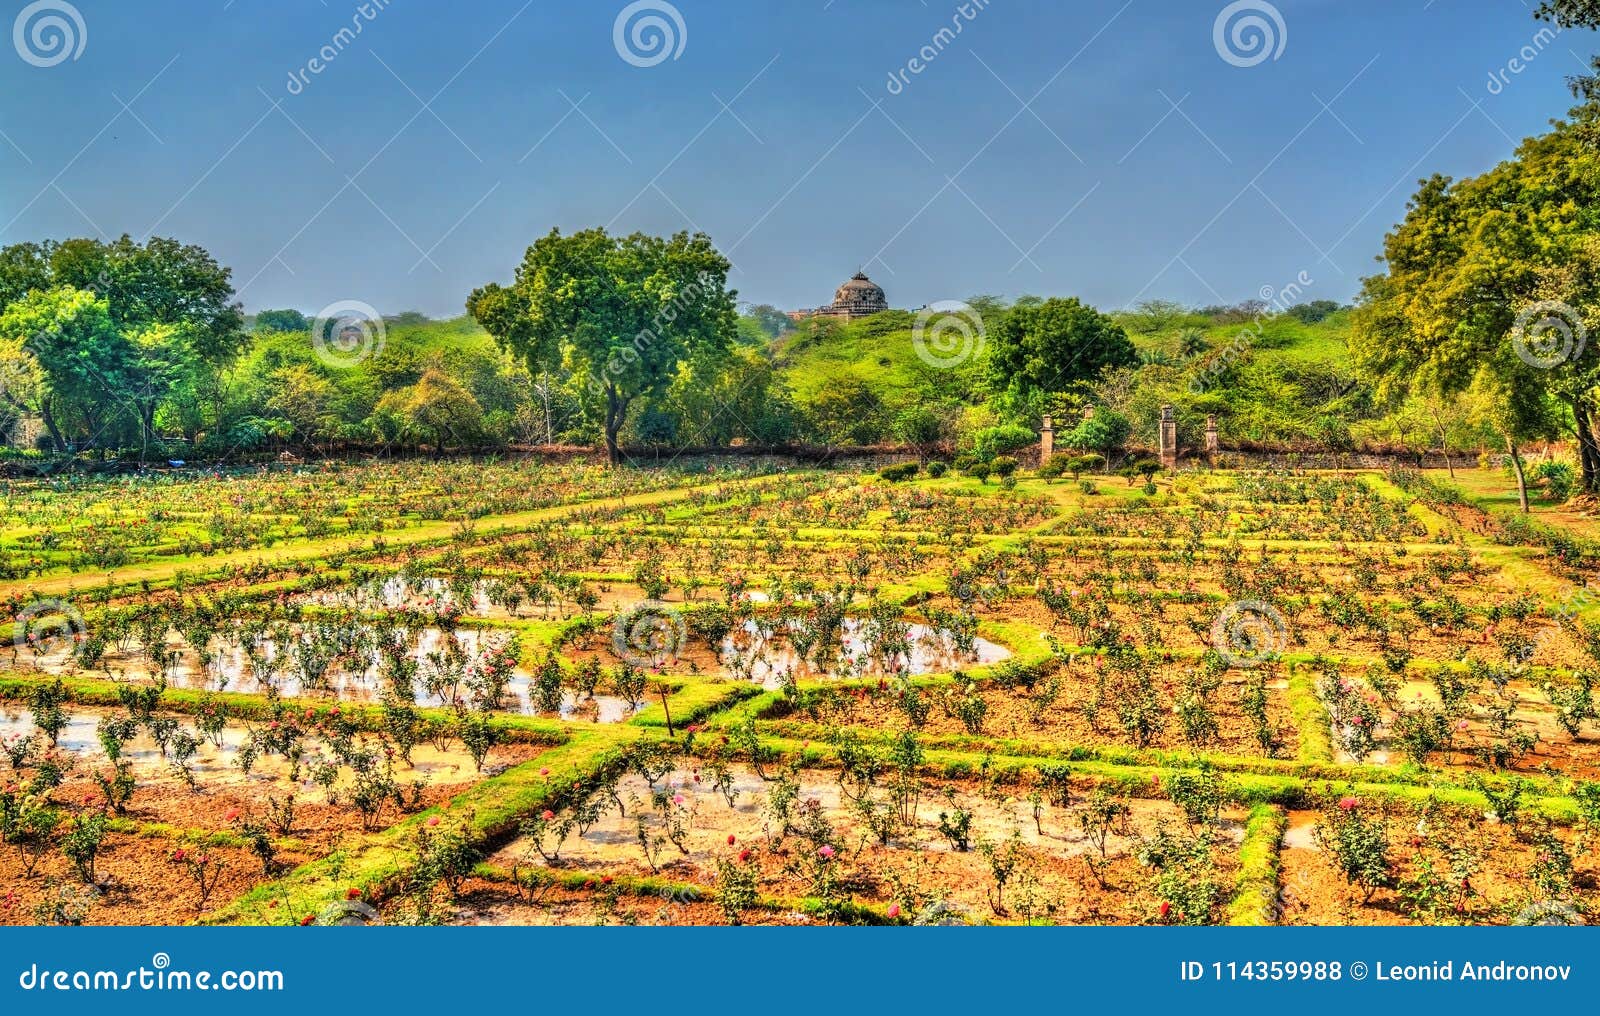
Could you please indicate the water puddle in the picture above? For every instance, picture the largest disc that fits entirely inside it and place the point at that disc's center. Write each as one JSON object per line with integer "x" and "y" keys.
{"x": 771, "y": 655}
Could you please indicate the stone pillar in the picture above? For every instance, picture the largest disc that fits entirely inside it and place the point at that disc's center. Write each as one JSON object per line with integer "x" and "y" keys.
{"x": 1047, "y": 440}
{"x": 1169, "y": 439}
{"x": 1088, "y": 413}
{"x": 1211, "y": 435}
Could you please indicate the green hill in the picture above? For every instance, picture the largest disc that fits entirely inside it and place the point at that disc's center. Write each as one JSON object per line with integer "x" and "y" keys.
{"x": 1275, "y": 379}
{"x": 878, "y": 352}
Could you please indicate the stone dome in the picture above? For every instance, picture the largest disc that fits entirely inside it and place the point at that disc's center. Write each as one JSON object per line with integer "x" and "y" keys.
{"x": 859, "y": 297}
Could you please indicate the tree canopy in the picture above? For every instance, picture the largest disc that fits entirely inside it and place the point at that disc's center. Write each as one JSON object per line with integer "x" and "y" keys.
{"x": 1491, "y": 282}
{"x": 623, "y": 312}
{"x": 1047, "y": 348}
{"x": 115, "y": 330}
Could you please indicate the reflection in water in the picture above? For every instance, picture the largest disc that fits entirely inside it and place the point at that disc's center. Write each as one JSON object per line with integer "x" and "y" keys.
{"x": 445, "y": 665}
{"x": 770, "y": 656}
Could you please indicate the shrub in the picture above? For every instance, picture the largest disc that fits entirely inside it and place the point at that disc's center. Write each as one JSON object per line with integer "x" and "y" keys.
{"x": 979, "y": 471}
{"x": 899, "y": 473}
{"x": 1003, "y": 466}
{"x": 1183, "y": 876}
{"x": 1558, "y": 480}
{"x": 993, "y": 441}
{"x": 956, "y": 827}
{"x": 937, "y": 469}
{"x": 82, "y": 843}
{"x": 1198, "y": 794}
{"x": 736, "y": 889}
{"x": 1358, "y": 845}
{"x": 1105, "y": 432}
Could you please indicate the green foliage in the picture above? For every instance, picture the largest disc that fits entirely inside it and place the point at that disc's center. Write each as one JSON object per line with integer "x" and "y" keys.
{"x": 1105, "y": 433}
{"x": 991, "y": 442}
{"x": 628, "y": 311}
{"x": 1042, "y": 349}
{"x": 1358, "y": 843}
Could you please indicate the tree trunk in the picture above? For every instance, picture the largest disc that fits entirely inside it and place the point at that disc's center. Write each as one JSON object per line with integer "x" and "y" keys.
{"x": 666, "y": 708}
{"x": 1444, "y": 444}
{"x": 1588, "y": 443}
{"x": 616, "y": 412}
{"x": 613, "y": 453}
{"x": 543, "y": 388}
{"x": 1522, "y": 479}
{"x": 49, "y": 419}
{"x": 147, "y": 426}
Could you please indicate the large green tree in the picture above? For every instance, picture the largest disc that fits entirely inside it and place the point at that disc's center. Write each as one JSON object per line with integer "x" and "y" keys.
{"x": 65, "y": 358}
{"x": 622, "y": 312}
{"x": 171, "y": 304}
{"x": 1039, "y": 350}
{"x": 1490, "y": 283}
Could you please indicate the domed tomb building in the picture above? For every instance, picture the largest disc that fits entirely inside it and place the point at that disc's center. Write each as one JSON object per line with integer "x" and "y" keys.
{"x": 858, "y": 298}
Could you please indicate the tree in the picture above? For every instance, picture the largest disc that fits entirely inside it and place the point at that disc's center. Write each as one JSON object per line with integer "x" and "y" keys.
{"x": 1311, "y": 313}
{"x": 623, "y": 311}
{"x": 158, "y": 282}
{"x": 847, "y": 411}
{"x": 303, "y": 397}
{"x": 770, "y": 320}
{"x": 1576, "y": 14}
{"x": 719, "y": 398}
{"x": 170, "y": 304}
{"x": 1154, "y": 316}
{"x": 920, "y": 427}
{"x": 1489, "y": 283}
{"x": 1105, "y": 432}
{"x": 1044, "y": 349}
{"x": 436, "y": 410}
{"x": 282, "y": 321}
{"x": 65, "y": 358}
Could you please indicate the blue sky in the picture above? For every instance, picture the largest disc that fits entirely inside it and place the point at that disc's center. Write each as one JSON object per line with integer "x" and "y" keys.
{"x": 1104, "y": 148}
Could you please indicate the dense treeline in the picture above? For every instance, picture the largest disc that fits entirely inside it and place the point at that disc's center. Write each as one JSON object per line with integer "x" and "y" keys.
{"x": 136, "y": 349}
